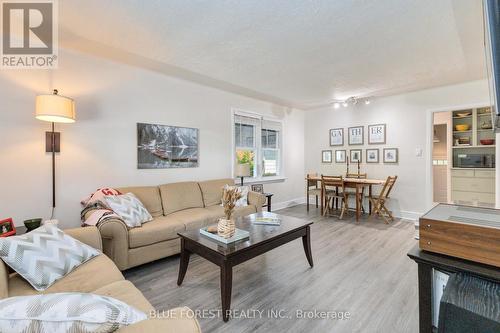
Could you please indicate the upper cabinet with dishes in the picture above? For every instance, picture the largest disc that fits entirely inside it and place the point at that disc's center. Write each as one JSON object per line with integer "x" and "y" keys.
{"x": 472, "y": 128}
{"x": 473, "y": 138}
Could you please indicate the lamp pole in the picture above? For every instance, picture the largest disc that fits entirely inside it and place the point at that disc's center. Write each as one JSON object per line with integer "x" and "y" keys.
{"x": 53, "y": 147}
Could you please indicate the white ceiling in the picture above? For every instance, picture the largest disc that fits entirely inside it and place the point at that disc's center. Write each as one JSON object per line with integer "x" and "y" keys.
{"x": 297, "y": 52}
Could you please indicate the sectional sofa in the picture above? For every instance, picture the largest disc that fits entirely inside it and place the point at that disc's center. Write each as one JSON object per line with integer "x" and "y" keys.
{"x": 175, "y": 207}
{"x": 101, "y": 276}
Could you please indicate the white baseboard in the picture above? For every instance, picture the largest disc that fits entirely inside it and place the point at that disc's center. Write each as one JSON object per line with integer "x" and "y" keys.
{"x": 411, "y": 216}
{"x": 289, "y": 203}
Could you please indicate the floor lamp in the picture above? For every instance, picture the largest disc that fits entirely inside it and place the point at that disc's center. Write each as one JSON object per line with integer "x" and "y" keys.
{"x": 55, "y": 109}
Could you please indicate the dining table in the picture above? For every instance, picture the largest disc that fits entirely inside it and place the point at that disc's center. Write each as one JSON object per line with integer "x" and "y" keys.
{"x": 358, "y": 184}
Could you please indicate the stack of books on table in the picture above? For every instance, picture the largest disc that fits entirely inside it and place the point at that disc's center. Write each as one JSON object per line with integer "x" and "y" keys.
{"x": 267, "y": 221}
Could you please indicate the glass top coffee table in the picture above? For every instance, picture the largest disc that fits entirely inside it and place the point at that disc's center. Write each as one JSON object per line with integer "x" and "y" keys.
{"x": 263, "y": 238}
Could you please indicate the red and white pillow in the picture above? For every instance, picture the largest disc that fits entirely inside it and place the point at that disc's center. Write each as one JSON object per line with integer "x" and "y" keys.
{"x": 98, "y": 196}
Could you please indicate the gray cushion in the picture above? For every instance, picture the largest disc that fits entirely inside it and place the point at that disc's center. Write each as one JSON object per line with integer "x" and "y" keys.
{"x": 44, "y": 255}
{"x": 66, "y": 312}
{"x": 129, "y": 208}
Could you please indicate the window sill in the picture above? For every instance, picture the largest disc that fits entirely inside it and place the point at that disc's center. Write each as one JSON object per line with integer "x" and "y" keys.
{"x": 263, "y": 180}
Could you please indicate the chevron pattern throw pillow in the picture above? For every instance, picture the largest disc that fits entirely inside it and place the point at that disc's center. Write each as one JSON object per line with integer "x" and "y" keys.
{"x": 44, "y": 255}
{"x": 129, "y": 208}
{"x": 66, "y": 312}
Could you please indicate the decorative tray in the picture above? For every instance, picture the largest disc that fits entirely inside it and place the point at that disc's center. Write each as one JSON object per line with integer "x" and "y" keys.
{"x": 238, "y": 236}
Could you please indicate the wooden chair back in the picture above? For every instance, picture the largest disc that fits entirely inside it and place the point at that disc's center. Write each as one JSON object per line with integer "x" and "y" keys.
{"x": 356, "y": 175}
{"x": 332, "y": 181}
{"x": 389, "y": 184}
{"x": 312, "y": 182}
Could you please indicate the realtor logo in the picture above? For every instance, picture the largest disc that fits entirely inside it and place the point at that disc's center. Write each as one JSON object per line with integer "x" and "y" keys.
{"x": 29, "y": 34}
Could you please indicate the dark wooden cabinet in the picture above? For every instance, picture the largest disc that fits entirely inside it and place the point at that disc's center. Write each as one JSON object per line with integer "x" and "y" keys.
{"x": 428, "y": 261}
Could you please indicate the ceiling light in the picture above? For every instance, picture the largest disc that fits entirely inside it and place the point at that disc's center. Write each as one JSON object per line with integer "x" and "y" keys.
{"x": 344, "y": 104}
{"x": 336, "y": 105}
{"x": 367, "y": 102}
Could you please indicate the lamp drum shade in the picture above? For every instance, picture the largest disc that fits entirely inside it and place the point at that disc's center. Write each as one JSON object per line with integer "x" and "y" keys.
{"x": 55, "y": 108}
{"x": 242, "y": 170}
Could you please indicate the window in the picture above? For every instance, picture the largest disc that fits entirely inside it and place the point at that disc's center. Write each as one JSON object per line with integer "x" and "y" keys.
{"x": 258, "y": 143}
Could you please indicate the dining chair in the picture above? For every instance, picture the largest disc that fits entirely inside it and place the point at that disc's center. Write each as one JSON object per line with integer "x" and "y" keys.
{"x": 379, "y": 201}
{"x": 333, "y": 188}
{"x": 353, "y": 193}
{"x": 312, "y": 188}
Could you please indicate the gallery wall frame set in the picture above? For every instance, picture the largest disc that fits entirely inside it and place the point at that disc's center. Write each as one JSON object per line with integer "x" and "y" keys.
{"x": 337, "y": 137}
{"x": 372, "y": 155}
{"x": 326, "y": 156}
{"x": 391, "y": 155}
{"x": 356, "y": 135}
{"x": 377, "y": 134}
{"x": 356, "y": 155}
{"x": 340, "y": 156}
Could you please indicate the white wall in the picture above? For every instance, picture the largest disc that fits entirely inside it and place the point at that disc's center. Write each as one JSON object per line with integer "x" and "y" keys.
{"x": 409, "y": 128}
{"x": 100, "y": 148}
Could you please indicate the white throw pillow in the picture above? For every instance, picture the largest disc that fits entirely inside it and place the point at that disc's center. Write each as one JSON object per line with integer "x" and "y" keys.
{"x": 44, "y": 255}
{"x": 129, "y": 208}
{"x": 66, "y": 312}
{"x": 243, "y": 201}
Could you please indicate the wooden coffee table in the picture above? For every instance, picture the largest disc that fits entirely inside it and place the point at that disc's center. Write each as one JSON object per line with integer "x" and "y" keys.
{"x": 263, "y": 238}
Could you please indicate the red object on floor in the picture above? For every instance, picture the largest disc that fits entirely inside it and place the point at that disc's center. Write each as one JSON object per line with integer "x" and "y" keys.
{"x": 9, "y": 226}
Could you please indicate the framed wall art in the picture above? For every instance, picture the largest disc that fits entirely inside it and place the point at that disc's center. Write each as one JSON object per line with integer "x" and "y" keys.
{"x": 372, "y": 156}
{"x": 7, "y": 228}
{"x": 390, "y": 155}
{"x": 356, "y": 135}
{"x": 340, "y": 156}
{"x": 259, "y": 188}
{"x": 356, "y": 155}
{"x": 326, "y": 156}
{"x": 163, "y": 147}
{"x": 376, "y": 134}
{"x": 337, "y": 137}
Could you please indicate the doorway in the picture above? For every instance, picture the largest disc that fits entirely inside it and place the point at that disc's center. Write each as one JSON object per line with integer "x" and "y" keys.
{"x": 440, "y": 163}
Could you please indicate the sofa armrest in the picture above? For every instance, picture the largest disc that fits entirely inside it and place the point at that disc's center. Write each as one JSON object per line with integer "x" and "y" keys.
{"x": 115, "y": 244}
{"x": 256, "y": 199}
{"x": 4, "y": 280}
{"x": 178, "y": 320}
{"x": 88, "y": 235}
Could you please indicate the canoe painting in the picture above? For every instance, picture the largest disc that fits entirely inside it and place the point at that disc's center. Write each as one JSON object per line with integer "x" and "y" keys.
{"x": 164, "y": 147}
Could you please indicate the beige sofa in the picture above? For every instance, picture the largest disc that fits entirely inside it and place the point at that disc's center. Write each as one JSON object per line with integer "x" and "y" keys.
{"x": 101, "y": 276}
{"x": 175, "y": 207}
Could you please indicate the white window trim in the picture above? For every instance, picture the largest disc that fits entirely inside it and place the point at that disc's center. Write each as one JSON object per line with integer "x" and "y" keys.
{"x": 260, "y": 179}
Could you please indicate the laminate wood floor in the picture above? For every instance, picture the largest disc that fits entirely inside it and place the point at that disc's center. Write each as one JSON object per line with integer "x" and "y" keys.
{"x": 360, "y": 268}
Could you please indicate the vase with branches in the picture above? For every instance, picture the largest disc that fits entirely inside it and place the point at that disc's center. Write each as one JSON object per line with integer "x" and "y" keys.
{"x": 226, "y": 226}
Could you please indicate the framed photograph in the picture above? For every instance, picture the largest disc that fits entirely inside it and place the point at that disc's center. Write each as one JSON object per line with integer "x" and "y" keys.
{"x": 390, "y": 155}
{"x": 372, "y": 156}
{"x": 7, "y": 228}
{"x": 376, "y": 134}
{"x": 356, "y": 155}
{"x": 259, "y": 188}
{"x": 356, "y": 135}
{"x": 337, "y": 137}
{"x": 326, "y": 156}
{"x": 165, "y": 147}
{"x": 340, "y": 156}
